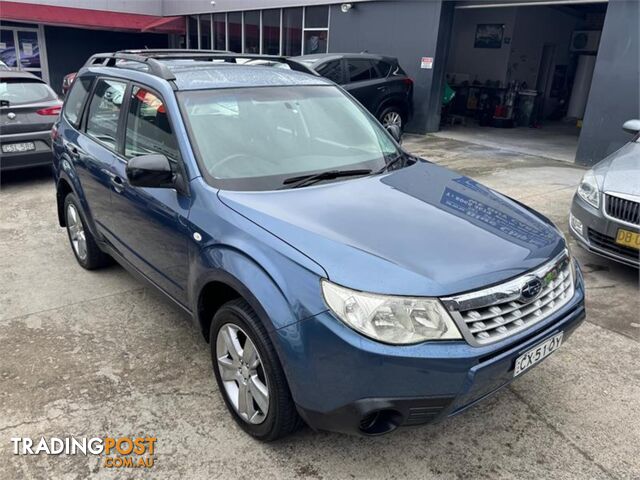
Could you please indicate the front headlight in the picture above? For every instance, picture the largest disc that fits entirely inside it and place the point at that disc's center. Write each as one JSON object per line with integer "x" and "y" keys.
{"x": 390, "y": 319}
{"x": 588, "y": 189}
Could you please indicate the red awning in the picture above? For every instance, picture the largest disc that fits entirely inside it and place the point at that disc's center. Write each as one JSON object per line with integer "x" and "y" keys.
{"x": 86, "y": 18}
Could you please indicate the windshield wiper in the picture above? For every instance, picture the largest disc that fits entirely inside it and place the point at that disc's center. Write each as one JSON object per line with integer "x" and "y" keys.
{"x": 304, "y": 180}
{"x": 390, "y": 162}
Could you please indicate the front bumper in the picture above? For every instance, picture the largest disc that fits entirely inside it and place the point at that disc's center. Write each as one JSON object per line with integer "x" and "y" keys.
{"x": 599, "y": 233}
{"x": 342, "y": 381}
{"x": 40, "y": 156}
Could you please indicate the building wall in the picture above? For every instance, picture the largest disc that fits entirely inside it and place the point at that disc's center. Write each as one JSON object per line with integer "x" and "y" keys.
{"x": 615, "y": 94}
{"x": 181, "y": 7}
{"x": 69, "y": 48}
{"x": 403, "y": 29}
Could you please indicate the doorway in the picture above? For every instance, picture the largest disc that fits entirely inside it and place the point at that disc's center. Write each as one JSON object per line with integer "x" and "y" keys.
{"x": 521, "y": 75}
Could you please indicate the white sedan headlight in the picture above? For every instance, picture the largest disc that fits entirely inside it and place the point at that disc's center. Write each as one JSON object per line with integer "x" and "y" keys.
{"x": 390, "y": 319}
{"x": 588, "y": 189}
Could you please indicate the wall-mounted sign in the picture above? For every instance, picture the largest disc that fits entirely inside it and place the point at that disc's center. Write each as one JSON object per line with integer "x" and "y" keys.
{"x": 27, "y": 49}
{"x": 426, "y": 62}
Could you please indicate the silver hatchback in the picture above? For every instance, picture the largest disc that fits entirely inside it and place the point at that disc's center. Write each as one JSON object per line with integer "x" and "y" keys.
{"x": 605, "y": 212}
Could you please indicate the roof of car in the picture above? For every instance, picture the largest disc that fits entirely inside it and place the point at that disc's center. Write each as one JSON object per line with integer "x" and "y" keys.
{"x": 17, "y": 74}
{"x": 316, "y": 57}
{"x": 204, "y": 75}
{"x": 209, "y": 70}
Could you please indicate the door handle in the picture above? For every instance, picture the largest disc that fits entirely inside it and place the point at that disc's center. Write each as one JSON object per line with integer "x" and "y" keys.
{"x": 72, "y": 150}
{"x": 117, "y": 183}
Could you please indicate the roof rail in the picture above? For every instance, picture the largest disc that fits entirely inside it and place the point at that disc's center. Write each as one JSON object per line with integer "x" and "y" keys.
{"x": 181, "y": 54}
{"x": 109, "y": 60}
{"x": 153, "y": 59}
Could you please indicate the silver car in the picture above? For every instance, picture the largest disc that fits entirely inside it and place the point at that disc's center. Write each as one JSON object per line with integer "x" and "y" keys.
{"x": 605, "y": 212}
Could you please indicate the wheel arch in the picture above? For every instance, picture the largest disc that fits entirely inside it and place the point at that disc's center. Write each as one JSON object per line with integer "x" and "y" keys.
{"x": 393, "y": 102}
{"x": 63, "y": 189}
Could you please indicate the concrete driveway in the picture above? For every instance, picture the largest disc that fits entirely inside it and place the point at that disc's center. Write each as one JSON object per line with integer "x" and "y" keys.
{"x": 97, "y": 353}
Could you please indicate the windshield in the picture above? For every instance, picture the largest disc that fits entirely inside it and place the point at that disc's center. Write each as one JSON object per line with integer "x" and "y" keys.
{"x": 22, "y": 92}
{"x": 256, "y": 138}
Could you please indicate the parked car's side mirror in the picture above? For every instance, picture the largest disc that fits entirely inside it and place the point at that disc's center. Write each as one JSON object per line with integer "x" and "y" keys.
{"x": 150, "y": 171}
{"x": 395, "y": 132}
{"x": 631, "y": 126}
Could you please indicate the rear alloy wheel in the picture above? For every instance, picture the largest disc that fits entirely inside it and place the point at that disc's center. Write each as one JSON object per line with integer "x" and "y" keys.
{"x": 84, "y": 246}
{"x": 391, "y": 116}
{"x": 76, "y": 232}
{"x": 249, "y": 374}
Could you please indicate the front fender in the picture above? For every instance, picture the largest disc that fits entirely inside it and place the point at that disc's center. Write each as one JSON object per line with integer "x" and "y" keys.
{"x": 281, "y": 295}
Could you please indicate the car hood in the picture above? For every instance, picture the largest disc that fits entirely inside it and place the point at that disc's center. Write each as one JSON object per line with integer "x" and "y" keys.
{"x": 620, "y": 170}
{"x": 421, "y": 230}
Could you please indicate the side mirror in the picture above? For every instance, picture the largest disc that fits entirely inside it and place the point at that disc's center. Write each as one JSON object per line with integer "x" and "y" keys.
{"x": 631, "y": 126}
{"x": 150, "y": 171}
{"x": 395, "y": 132}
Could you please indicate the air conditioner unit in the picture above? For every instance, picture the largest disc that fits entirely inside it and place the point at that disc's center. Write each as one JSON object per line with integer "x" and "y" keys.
{"x": 585, "y": 40}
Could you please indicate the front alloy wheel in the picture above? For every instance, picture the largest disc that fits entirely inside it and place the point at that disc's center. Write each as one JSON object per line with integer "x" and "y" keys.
{"x": 392, "y": 117}
{"x": 242, "y": 374}
{"x": 249, "y": 375}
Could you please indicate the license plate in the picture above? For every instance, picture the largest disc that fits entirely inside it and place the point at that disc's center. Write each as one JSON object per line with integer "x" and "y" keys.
{"x": 537, "y": 354}
{"x": 628, "y": 239}
{"x": 18, "y": 147}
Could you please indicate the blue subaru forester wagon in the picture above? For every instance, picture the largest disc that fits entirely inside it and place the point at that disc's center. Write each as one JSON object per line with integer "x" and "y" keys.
{"x": 340, "y": 280}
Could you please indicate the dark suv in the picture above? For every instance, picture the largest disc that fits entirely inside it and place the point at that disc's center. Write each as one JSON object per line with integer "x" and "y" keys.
{"x": 338, "y": 278}
{"x": 376, "y": 81}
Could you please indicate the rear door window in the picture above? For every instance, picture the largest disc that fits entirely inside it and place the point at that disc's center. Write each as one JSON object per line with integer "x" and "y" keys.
{"x": 331, "y": 70}
{"x": 382, "y": 67}
{"x": 148, "y": 127}
{"x": 75, "y": 100}
{"x": 104, "y": 112}
{"x": 18, "y": 91}
{"x": 361, "y": 70}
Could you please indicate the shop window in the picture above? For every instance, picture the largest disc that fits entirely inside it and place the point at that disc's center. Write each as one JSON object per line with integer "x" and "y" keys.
{"x": 271, "y": 32}
{"x": 316, "y": 17}
{"x": 292, "y": 31}
{"x": 235, "y": 31}
{"x": 205, "y": 32}
{"x": 192, "y": 31}
{"x": 219, "y": 31}
{"x": 315, "y": 41}
{"x": 252, "y": 32}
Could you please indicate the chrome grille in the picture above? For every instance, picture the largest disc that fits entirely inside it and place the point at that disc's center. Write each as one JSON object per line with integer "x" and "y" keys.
{"x": 622, "y": 209}
{"x": 492, "y": 314}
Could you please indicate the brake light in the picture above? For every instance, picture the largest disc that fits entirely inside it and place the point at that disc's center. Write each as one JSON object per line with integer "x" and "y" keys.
{"x": 50, "y": 110}
{"x": 407, "y": 81}
{"x": 54, "y": 132}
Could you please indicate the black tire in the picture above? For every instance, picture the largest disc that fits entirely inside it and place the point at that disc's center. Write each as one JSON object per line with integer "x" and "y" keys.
{"x": 282, "y": 417}
{"x": 94, "y": 257}
{"x": 392, "y": 109}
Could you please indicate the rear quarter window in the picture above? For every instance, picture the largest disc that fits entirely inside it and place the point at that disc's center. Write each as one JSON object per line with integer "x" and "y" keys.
{"x": 18, "y": 91}
{"x": 361, "y": 70}
{"x": 75, "y": 100}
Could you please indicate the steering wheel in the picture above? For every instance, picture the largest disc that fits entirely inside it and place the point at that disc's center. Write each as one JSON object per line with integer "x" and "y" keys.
{"x": 236, "y": 157}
